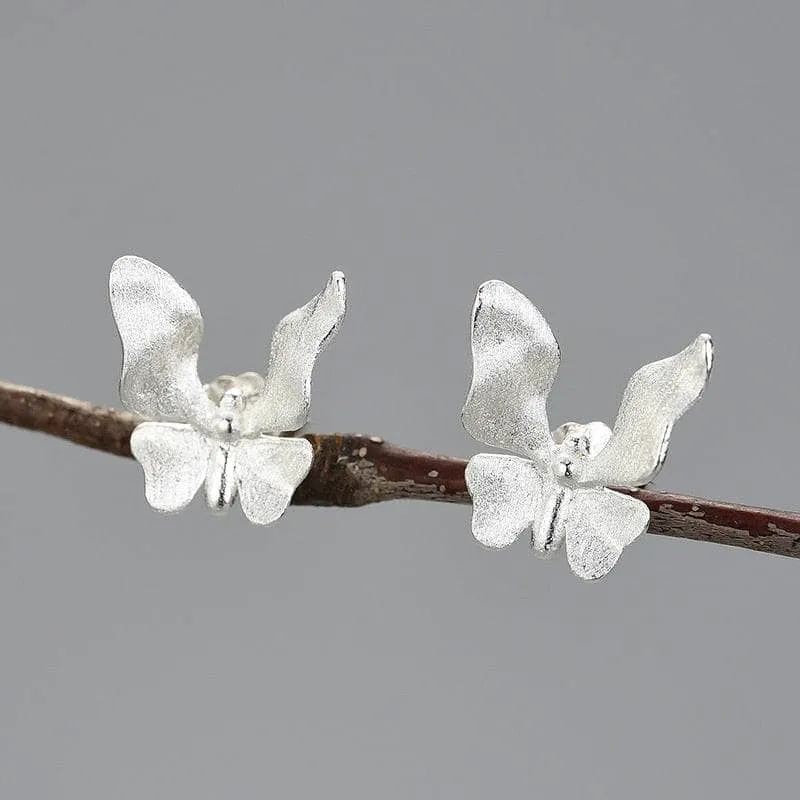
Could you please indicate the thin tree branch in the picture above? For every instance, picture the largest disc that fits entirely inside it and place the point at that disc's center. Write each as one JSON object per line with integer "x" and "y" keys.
{"x": 353, "y": 470}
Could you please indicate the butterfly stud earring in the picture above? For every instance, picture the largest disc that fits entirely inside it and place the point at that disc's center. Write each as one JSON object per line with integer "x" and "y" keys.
{"x": 225, "y": 434}
{"x": 556, "y": 486}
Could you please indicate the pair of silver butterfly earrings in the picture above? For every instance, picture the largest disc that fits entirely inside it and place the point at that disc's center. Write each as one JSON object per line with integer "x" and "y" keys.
{"x": 229, "y": 434}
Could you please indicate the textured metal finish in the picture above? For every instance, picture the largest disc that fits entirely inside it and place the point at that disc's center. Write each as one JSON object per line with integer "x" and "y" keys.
{"x": 174, "y": 457}
{"x": 268, "y": 470}
{"x": 161, "y": 328}
{"x": 507, "y": 495}
{"x": 656, "y": 396}
{"x": 557, "y": 490}
{"x": 298, "y": 339}
{"x": 600, "y": 523}
{"x": 217, "y": 434}
{"x": 515, "y": 359}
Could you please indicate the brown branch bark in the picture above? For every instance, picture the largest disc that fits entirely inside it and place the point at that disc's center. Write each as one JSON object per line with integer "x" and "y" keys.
{"x": 354, "y": 470}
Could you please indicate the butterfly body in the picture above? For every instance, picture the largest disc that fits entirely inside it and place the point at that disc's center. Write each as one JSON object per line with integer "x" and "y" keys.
{"x": 558, "y": 471}
{"x": 232, "y": 395}
{"x": 546, "y": 526}
{"x": 220, "y": 478}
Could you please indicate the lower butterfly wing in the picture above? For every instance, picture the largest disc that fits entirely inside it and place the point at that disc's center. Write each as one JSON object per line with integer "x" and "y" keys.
{"x": 598, "y": 524}
{"x": 515, "y": 359}
{"x": 507, "y": 494}
{"x": 656, "y": 396}
{"x": 174, "y": 458}
{"x": 160, "y": 327}
{"x": 298, "y": 339}
{"x": 268, "y": 470}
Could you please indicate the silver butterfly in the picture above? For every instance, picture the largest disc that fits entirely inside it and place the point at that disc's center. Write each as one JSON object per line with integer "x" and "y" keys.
{"x": 557, "y": 486}
{"x": 225, "y": 433}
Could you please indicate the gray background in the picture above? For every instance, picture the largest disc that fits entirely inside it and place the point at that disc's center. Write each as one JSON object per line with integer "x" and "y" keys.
{"x": 630, "y": 166}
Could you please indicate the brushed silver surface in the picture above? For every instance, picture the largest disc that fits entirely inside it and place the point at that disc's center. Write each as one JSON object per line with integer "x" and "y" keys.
{"x": 222, "y": 434}
{"x": 557, "y": 488}
{"x": 515, "y": 358}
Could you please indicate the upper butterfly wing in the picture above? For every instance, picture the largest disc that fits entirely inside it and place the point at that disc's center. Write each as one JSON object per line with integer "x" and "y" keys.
{"x": 268, "y": 470}
{"x": 515, "y": 359}
{"x": 507, "y": 494}
{"x": 160, "y": 327}
{"x": 598, "y": 524}
{"x": 656, "y": 396}
{"x": 297, "y": 341}
{"x": 174, "y": 458}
